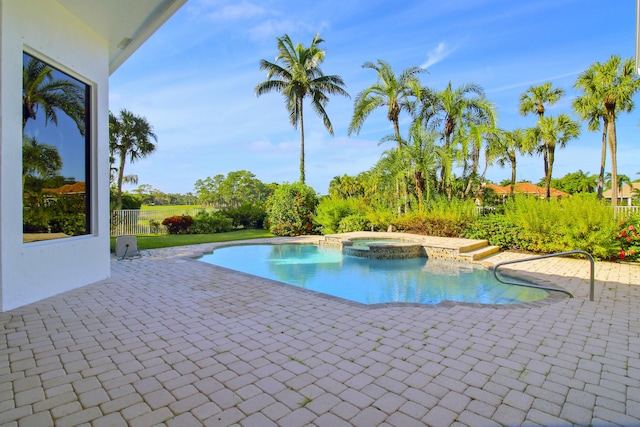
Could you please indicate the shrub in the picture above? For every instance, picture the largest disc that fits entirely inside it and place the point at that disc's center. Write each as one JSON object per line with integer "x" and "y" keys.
{"x": 628, "y": 239}
{"x": 422, "y": 223}
{"x": 71, "y": 225}
{"x": 247, "y": 215}
{"x": 210, "y": 223}
{"x": 496, "y": 229}
{"x": 331, "y": 211}
{"x": 441, "y": 218}
{"x": 380, "y": 219}
{"x": 579, "y": 222}
{"x": 355, "y": 222}
{"x": 154, "y": 226}
{"x": 290, "y": 209}
{"x": 131, "y": 201}
{"x": 178, "y": 224}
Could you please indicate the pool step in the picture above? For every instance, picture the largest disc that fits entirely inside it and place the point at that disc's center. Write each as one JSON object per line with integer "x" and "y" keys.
{"x": 479, "y": 252}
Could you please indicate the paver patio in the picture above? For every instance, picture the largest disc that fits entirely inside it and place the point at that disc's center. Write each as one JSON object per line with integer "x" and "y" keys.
{"x": 171, "y": 341}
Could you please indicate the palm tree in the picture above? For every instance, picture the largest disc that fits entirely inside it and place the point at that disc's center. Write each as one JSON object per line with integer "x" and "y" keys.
{"x": 418, "y": 155}
{"x": 589, "y": 108}
{"x": 129, "y": 136}
{"x": 472, "y": 142}
{"x": 39, "y": 159}
{"x": 397, "y": 93}
{"x": 450, "y": 110}
{"x": 533, "y": 101}
{"x": 556, "y": 132}
{"x": 345, "y": 186}
{"x": 584, "y": 182}
{"x": 622, "y": 180}
{"x": 505, "y": 147}
{"x": 299, "y": 77}
{"x": 612, "y": 85}
{"x": 41, "y": 90}
{"x": 391, "y": 175}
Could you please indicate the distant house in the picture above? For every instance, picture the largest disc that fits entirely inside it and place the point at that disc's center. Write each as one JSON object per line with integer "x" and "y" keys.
{"x": 83, "y": 41}
{"x": 67, "y": 189}
{"x": 525, "y": 188}
{"x": 625, "y": 195}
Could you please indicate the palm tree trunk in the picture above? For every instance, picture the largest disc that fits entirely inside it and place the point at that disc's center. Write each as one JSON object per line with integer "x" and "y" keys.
{"x": 396, "y": 130}
{"x": 419, "y": 181}
{"x": 123, "y": 156}
{"x": 513, "y": 176}
{"x": 545, "y": 157}
{"x": 547, "y": 181}
{"x": 611, "y": 131}
{"x": 302, "y": 177}
{"x": 603, "y": 160}
{"x": 475, "y": 165}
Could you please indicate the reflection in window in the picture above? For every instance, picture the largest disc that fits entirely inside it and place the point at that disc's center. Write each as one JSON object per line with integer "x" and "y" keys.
{"x": 55, "y": 152}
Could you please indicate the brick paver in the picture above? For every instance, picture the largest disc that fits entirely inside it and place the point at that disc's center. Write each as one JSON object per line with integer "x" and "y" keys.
{"x": 171, "y": 341}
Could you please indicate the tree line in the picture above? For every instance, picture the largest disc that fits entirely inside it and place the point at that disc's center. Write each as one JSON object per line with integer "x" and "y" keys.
{"x": 451, "y": 129}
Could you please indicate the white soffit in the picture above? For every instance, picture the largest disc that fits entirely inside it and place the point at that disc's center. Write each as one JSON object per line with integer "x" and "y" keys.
{"x": 125, "y": 24}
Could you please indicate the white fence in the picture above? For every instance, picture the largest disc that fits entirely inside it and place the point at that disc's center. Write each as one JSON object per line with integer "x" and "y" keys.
{"x": 135, "y": 221}
{"x": 620, "y": 212}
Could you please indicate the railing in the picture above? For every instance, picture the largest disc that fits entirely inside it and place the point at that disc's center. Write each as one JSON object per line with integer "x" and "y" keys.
{"x": 136, "y": 221}
{"x": 549, "y": 288}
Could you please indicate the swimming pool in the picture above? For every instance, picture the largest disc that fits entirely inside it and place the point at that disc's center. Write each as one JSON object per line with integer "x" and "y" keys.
{"x": 371, "y": 281}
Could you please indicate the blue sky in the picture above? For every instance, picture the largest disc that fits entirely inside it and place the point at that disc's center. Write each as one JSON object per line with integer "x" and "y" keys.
{"x": 194, "y": 80}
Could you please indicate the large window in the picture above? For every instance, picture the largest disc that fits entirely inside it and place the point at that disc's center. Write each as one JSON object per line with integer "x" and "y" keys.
{"x": 55, "y": 152}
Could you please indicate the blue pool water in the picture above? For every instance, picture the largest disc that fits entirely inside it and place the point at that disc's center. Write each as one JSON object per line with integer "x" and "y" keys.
{"x": 371, "y": 281}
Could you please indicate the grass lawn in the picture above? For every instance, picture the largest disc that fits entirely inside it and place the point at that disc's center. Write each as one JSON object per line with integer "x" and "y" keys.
{"x": 168, "y": 240}
{"x": 187, "y": 208}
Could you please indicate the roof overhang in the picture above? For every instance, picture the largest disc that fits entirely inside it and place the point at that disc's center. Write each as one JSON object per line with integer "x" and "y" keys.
{"x": 125, "y": 24}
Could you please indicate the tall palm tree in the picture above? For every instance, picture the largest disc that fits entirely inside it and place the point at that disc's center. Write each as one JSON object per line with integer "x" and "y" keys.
{"x": 505, "y": 147}
{"x": 534, "y": 101}
{"x": 589, "y": 108}
{"x": 556, "y": 132}
{"x": 612, "y": 85}
{"x": 536, "y": 98}
{"x": 474, "y": 137}
{"x": 296, "y": 74}
{"x": 397, "y": 93}
{"x": 129, "y": 136}
{"x": 450, "y": 110}
{"x": 41, "y": 90}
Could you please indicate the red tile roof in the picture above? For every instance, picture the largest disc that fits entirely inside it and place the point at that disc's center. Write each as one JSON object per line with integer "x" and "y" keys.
{"x": 526, "y": 188}
{"x": 76, "y": 188}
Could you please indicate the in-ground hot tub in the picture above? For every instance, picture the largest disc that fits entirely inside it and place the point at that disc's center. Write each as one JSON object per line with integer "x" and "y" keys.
{"x": 383, "y": 248}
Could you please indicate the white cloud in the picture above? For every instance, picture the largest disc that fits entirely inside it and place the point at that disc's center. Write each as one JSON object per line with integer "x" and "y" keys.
{"x": 437, "y": 54}
{"x": 227, "y": 11}
{"x": 272, "y": 28}
{"x": 533, "y": 82}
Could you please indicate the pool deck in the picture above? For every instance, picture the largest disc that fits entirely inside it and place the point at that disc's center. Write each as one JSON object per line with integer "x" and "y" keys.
{"x": 171, "y": 341}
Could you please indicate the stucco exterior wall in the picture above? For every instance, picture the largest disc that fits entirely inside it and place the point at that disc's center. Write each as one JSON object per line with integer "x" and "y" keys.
{"x": 32, "y": 271}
